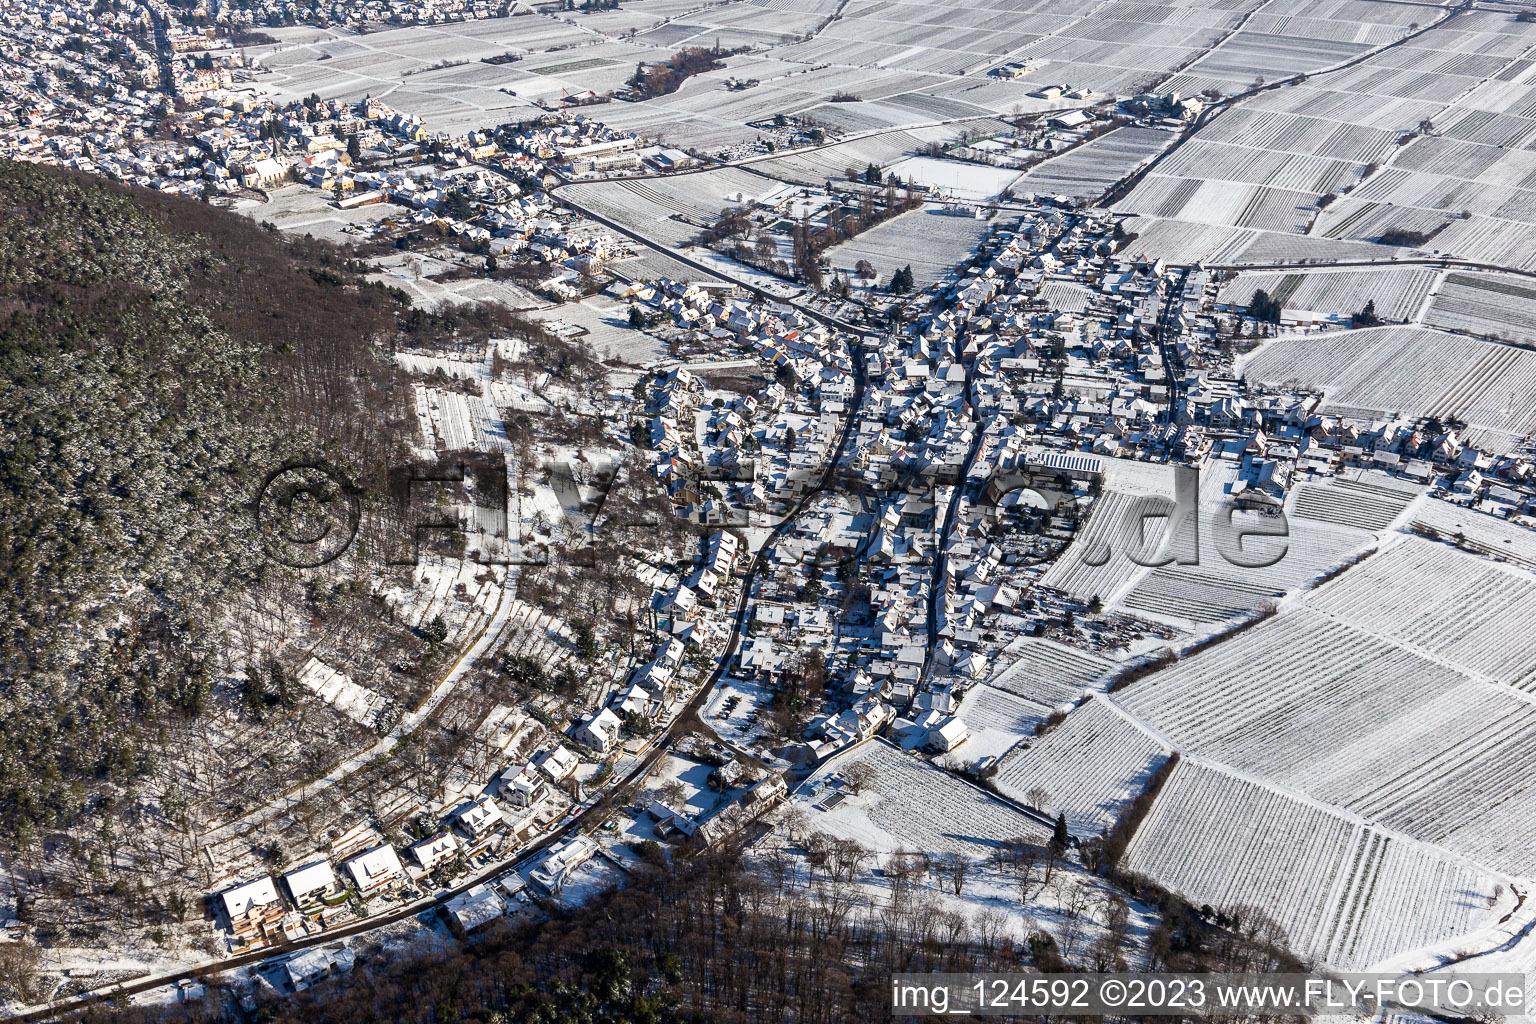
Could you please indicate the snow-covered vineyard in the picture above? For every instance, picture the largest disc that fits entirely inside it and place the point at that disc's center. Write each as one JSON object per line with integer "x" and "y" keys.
{"x": 1344, "y": 892}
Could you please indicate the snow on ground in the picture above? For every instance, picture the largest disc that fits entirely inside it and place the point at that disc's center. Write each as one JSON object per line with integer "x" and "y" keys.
{"x": 1087, "y": 768}
{"x": 301, "y": 210}
{"x": 1048, "y": 673}
{"x": 334, "y": 687}
{"x": 997, "y": 720}
{"x": 603, "y": 323}
{"x": 913, "y": 806}
{"x": 734, "y": 722}
{"x": 957, "y": 180}
{"x": 1349, "y": 893}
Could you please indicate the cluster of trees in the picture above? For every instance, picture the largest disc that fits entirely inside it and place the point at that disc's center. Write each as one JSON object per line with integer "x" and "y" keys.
{"x": 809, "y": 242}
{"x": 1264, "y": 308}
{"x": 735, "y": 233}
{"x": 184, "y": 354}
{"x": 664, "y": 77}
{"x": 1408, "y": 238}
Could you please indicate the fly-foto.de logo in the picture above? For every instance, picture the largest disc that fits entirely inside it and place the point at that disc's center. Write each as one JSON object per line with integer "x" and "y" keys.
{"x": 308, "y": 513}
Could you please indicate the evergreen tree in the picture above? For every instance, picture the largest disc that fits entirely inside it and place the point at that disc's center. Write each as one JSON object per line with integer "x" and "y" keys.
{"x": 1263, "y": 308}
{"x": 1061, "y": 837}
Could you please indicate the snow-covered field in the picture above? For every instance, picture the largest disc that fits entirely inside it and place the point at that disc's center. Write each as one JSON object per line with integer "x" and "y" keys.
{"x": 1399, "y": 292}
{"x": 1048, "y": 673}
{"x": 912, "y": 805}
{"x": 1088, "y": 767}
{"x": 954, "y": 178}
{"x": 997, "y": 720}
{"x": 1412, "y": 371}
{"x": 1347, "y": 893}
{"x": 1395, "y": 694}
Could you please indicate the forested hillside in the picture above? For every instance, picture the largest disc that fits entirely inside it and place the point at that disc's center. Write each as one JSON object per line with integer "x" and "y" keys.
{"x": 157, "y": 357}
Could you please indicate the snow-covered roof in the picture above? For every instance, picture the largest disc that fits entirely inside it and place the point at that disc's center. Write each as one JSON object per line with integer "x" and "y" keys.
{"x": 310, "y": 877}
{"x": 242, "y": 899}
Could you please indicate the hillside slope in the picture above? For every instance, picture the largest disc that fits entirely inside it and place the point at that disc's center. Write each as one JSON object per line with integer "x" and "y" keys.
{"x": 157, "y": 358}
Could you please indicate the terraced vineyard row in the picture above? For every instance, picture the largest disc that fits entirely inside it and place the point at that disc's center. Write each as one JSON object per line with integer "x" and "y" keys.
{"x": 1089, "y": 767}
{"x": 1349, "y": 894}
{"x": 1455, "y": 606}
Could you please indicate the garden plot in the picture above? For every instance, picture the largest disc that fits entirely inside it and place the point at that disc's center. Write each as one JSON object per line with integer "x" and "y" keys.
{"x": 459, "y": 421}
{"x": 997, "y": 720}
{"x": 1088, "y": 170}
{"x": 1411, "y": 371}
{"x": 1048, "y": 673}
{"x": 911, "y": 805}
{"x": 537, "y": 634}
{"x": 1087, "y": 768}
{"x": 462, "y": 592}
{"x": 334, "y": 687}
{"x": 1399, "y": 292}
{"x": 1488, "y": 305}
{"x": 1348, "y": 894}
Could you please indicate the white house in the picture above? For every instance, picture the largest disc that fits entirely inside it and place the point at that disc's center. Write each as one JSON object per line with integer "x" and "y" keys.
{"x": 479, "y": 818}
{"x": 551, "y": 872}
{"x": 600, "y": 732}
{"x": 247, "y": 903}
{"x": 522, "y": 788}
{"x": 439, "y": 849}
{"x": 374, "y": 870}
{"x": 558, "y": 763}
{"x": 948, "y": 735}
{"x": 310, "y": 882}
